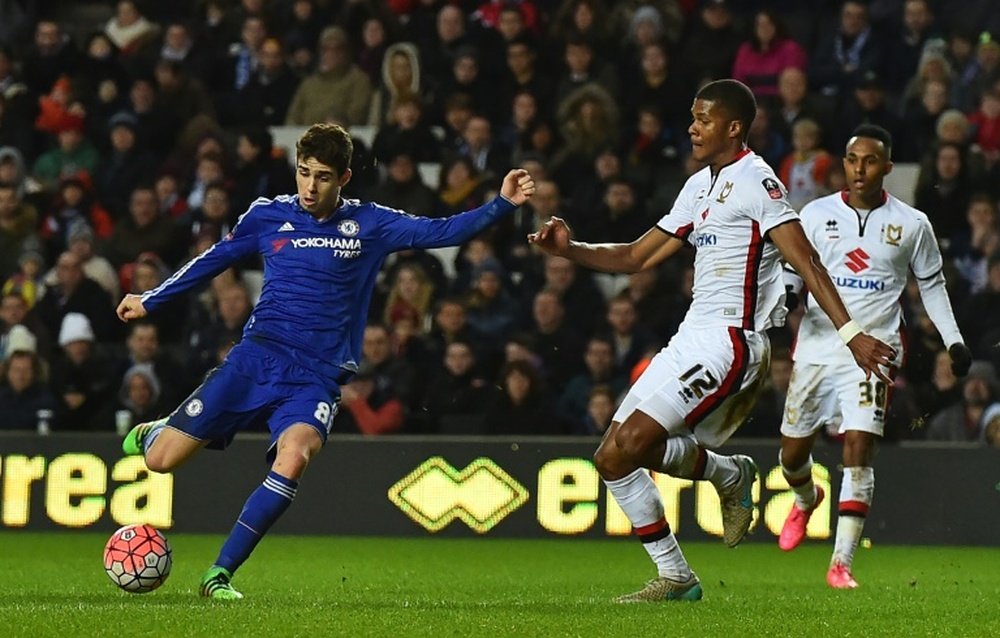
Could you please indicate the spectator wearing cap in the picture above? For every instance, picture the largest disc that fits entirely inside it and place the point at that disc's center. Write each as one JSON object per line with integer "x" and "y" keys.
{"x": 81, "y": 243}
{"x": 15, "y": 318}
{"x": 337, "y": 90}
{"x": 23, "y": 392}
{"x": 13, "y": 171}
{"x": 259, "y": 172}
{"x": 126, "y": 165}
{"x": 868, "y": 106}
{"x": 140, "y": 394}
{"x": 18, "y": 221}
{"x": 964, "y": 420}
{"x": 74, "y": 153}
{"x": 74, "y": 292}
{"x": 844, "y": 55}
{"x": 81, "y": 379}
{"x": 74, "y": 203}
{"x": 710, "y": 43}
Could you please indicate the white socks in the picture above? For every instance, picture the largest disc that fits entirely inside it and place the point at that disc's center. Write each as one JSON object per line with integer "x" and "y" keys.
{"x": 638, "y": 497}
{"x": 856, "y": 493}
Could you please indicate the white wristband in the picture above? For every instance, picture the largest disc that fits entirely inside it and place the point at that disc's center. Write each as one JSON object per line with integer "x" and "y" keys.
{"x": 848, "y": 331}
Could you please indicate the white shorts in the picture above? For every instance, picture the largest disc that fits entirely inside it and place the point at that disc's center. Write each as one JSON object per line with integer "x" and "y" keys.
{"x": 704, "y": 383}
{"x": 835, "y": 396}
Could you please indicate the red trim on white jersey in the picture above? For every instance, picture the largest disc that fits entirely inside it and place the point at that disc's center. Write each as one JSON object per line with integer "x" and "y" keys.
{"x": 754, "y": 252}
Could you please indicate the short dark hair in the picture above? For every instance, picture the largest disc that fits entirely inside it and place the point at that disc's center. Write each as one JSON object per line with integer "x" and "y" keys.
{"x": 735, "y": 98}
{"x": 874, "y": 132}
{"x": 328, "y": 144}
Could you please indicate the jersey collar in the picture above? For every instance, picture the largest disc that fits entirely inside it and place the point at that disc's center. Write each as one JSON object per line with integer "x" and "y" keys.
{"x": 845, "y": 195}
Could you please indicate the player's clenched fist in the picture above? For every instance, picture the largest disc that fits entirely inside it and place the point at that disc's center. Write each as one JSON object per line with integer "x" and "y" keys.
{"x": 518, "y": 186}
{"x": 131, "y": 308}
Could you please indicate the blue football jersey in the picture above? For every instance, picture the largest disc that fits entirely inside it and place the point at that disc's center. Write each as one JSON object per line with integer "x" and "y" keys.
{"x": 319, "y": 275}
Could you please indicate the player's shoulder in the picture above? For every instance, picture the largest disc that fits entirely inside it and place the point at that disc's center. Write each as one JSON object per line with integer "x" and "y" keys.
{"x": 904, "y": 211}
{"x": 265, "y": 207}
{"x": 756, "y": 179}
{"x": 823, "y": 205}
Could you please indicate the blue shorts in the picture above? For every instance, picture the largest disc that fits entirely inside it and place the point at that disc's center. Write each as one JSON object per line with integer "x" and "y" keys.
{"x": 255, "y": 385}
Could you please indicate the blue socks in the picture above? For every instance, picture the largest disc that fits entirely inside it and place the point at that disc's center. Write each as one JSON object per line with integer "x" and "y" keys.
{"x": 267, "y": 503}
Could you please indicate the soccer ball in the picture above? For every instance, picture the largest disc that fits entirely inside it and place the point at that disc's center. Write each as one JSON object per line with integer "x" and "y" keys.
{"x": 137, "y": 558}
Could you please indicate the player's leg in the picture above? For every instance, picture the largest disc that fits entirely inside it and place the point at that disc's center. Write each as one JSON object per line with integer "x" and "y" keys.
{"x": 625, "y": 448}
{"x": 722, "y": 372}
{"x": 864, "y": 403}
{"x": 811, "y": 402}
{"x": 299, "y": 424}
{"x": 294, "y": 449}
{"x": 856, "y": 492}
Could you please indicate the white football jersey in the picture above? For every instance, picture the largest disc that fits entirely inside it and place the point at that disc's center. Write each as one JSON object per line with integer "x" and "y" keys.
{"x": 737, "y": 272}
{"x": 868, "y": 258}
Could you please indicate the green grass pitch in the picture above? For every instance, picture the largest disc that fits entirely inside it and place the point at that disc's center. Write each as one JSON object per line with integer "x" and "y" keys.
{"x": 54, "y": 585}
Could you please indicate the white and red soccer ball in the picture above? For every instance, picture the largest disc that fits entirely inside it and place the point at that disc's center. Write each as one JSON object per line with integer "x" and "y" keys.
{"x": 137, "y": 558}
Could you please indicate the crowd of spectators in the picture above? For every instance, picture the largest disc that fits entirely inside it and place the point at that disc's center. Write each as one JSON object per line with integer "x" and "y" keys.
{"x": 132, "y": 143}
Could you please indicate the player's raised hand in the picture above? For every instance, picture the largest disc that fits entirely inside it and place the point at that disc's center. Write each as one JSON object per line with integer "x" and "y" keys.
{"x": 872, "y": 355}
{"x": 131, "y": 308}
{"x": 553, "y": 237}
{"x": 518, "y": 186}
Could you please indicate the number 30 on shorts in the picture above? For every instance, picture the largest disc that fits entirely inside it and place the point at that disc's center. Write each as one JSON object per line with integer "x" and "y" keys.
{"x": 872, "y": 393}
{"x": 324, "y": 414}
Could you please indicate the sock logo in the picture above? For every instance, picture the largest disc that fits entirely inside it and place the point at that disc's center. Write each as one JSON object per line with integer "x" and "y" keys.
{"x": 194, "y": 407}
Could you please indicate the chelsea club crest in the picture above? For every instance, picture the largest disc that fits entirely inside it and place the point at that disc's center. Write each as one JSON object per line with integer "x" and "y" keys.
{"x": 348, "y": 227}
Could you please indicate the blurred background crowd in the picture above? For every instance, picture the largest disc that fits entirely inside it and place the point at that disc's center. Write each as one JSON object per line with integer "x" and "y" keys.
{"x": 134, "y": 133}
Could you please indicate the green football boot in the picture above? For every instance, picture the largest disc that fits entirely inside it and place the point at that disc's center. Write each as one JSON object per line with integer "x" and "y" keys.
{"x": 215, "y": 585}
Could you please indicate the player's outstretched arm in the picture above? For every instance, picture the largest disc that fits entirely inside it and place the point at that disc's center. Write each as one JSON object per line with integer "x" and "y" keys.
{"x": 870, "y": 353}
{"x": 556, "y": 238}
{"x": 131, "y": 308}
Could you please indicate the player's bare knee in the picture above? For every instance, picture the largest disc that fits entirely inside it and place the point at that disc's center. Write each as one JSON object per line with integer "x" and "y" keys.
{"x": 632, "y": 442}
{"x": 157, "y": 460}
